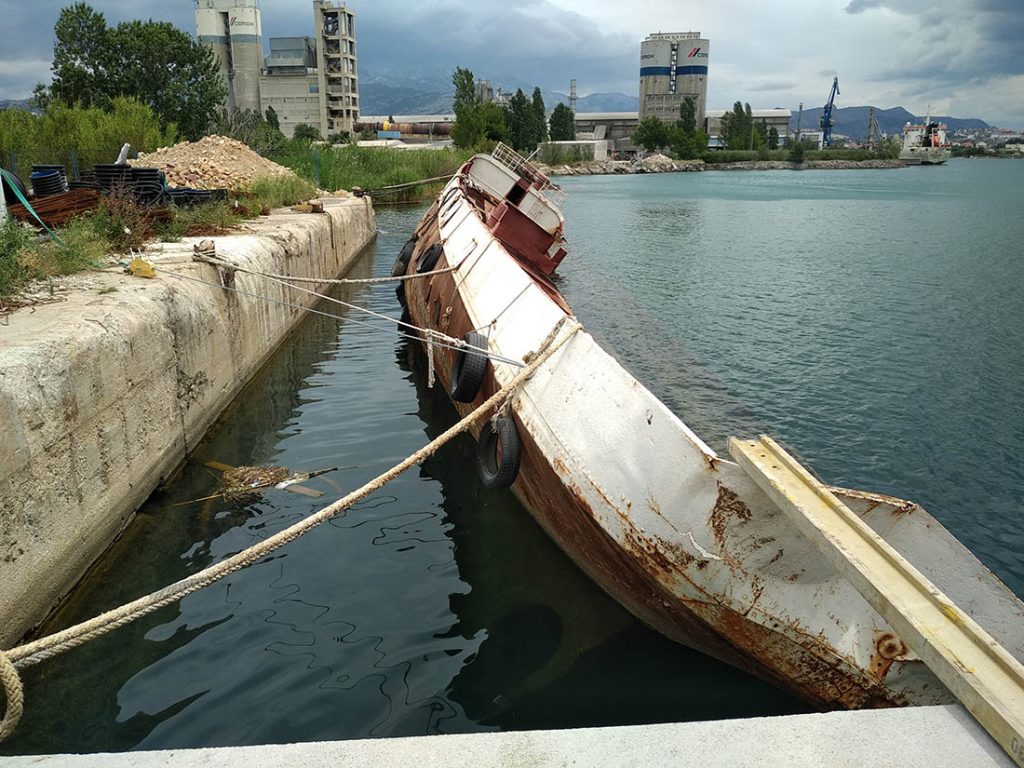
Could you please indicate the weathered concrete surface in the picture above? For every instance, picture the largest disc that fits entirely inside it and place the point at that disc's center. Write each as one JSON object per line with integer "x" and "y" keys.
{"x": 922, "y": 737}
{"x": 102, "y": 396}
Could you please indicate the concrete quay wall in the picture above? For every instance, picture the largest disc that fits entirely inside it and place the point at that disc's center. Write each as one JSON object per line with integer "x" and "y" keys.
{"x": 104, "y": 394}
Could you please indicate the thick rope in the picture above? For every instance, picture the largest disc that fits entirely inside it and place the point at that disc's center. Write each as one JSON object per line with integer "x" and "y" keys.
{"x": 451, "y": 342}
{"x": 217, "y": 262}
{"x": 13, "y": 694}
{"x": 52, "y": 645}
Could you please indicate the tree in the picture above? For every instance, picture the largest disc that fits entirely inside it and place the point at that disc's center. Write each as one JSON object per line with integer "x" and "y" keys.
{"x": 81, "y": 56}
{"x": 41, "y": 97}
{"x": 563, "y": 123}
{"x": 272, "y": 120}
{"x": 651, "y": 134}
{"x": 688, "y": 115}
{"x": 154, "y": 62}
{"x": 773, "y": 138}
{"x": 519, "y": 120}
{"x": 685, "y": 140}
{"x": 307, "y": 132}
{"x": 762, "y": 133}
{"x": 738, "y": 128}
{"x": 249, "y": 127}
{"x": 470, "y": 122}
{"x": 796, "y": 153}
{"x": 537, "y": 121}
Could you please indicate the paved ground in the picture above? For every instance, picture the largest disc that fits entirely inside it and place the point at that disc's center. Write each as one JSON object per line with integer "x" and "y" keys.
{"x": 922, "y": 737}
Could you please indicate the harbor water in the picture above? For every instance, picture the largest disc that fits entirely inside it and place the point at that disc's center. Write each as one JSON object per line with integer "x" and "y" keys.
{"x": 871, "y": 320}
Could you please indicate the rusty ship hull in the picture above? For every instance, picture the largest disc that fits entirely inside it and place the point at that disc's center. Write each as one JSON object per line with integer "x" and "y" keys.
{"x": 680, "y": 536}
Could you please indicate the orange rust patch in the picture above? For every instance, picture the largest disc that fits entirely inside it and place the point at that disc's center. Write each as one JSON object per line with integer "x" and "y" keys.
{"x": 888, "y": 648}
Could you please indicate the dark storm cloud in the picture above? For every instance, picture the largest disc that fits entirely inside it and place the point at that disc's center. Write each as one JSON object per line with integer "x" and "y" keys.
{"x": 956, "y": 43}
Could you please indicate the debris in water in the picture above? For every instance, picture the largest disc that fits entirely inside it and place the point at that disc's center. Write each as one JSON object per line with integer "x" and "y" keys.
{"x": 241, "y": 483}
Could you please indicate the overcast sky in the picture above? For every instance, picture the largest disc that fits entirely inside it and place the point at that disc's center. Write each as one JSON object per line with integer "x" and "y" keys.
{"x": 962, "y": 57}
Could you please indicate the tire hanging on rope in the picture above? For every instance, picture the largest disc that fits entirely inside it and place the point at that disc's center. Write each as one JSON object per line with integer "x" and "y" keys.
{"x": 498, "y": 452}
{"x": 469, "y": 368}
{"x": 429, "y": 259}
{"x": 402, "y": 262}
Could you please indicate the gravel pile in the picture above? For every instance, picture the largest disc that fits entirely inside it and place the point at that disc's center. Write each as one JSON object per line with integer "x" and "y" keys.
{"x": 213, "y": 162}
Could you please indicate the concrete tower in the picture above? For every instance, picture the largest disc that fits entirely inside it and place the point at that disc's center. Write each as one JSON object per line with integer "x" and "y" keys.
{"x": 335, "y": 28}
{"x": 673, "y": 65}
{"x": 233, "y": 30}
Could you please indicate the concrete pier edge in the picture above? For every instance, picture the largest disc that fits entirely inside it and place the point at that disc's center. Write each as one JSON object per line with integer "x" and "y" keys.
{"x": 913, "y": 737}
{"x": 104, "y": 394}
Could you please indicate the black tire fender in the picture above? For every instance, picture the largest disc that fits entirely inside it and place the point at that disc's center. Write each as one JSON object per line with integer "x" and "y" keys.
{"x": 429, "y": 259}
{"x": 403, "y": 257}
{"x": 469, "y": 369}
{"x": 498, "y": 452}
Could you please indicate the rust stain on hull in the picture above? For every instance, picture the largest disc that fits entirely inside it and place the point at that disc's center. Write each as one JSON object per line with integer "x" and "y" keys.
{"x": 641, "y": 573}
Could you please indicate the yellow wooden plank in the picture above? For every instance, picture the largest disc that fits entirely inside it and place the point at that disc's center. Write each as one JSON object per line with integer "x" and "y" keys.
{"x": 980, "y": 672}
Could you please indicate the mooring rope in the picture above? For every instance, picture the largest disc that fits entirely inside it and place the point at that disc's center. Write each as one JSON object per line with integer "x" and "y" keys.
{"x": 15, "y": 696}
{"x": 441, "y": 340}
{"x": 399, "y": 187}
{"x": 47, "y": 647}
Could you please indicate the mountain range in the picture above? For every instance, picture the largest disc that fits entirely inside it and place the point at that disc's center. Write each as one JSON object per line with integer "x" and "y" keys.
{"x": 853, "y": 121}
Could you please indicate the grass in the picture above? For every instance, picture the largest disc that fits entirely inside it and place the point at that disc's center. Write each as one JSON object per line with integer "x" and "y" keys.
{"x": 120, "y": 224}
{"x": 371, "y": 168}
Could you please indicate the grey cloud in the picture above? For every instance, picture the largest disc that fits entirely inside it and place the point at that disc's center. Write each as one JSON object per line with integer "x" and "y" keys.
{"x": 773, "y": 85}
{"x": 859, "y": 6}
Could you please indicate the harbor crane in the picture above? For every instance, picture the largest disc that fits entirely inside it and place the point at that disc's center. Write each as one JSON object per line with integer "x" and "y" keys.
{"x": 826, "y": 115}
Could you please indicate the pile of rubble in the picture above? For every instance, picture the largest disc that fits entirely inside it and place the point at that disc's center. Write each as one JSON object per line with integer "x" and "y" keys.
{"x": 213, "y": 162}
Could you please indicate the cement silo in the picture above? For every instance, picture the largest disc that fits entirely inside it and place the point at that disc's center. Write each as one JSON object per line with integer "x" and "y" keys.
{"x": 673, "y": 65}
{"x": 232, "y": 28}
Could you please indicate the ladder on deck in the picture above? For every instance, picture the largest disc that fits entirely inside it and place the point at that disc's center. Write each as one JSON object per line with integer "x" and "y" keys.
{"x": 987, "y": 680}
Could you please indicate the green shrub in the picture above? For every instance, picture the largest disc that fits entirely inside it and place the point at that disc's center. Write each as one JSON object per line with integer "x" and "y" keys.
{"x": 279, "y": 191}
{"x": 561, "y": 154}
{"x": 13, "y": 239}
{"x": 67, "y": 135}
{"x": 349, "y": 166}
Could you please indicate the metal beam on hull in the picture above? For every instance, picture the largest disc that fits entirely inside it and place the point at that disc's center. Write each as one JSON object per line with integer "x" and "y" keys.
{"x": 979, "y": 671}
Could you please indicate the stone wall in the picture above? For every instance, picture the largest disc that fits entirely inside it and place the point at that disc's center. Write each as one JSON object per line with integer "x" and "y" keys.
{"x": 104, "y": 394}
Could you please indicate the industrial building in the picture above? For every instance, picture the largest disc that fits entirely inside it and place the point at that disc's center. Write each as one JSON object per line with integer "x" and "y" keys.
{"x": 232, "y": 29}
{"x": 673, "y": 65}
{"x": 774, "y": 118}
{"x": 312, "y": 80}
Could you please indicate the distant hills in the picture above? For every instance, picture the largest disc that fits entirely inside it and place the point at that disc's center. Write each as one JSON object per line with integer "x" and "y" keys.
{"x": 14, "y": 103}
{"x": 853, "y": 121}
{"x": 431, "y": 94}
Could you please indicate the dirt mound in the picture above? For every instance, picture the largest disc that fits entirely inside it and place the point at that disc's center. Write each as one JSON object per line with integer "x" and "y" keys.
{"x": 213, "y": 162}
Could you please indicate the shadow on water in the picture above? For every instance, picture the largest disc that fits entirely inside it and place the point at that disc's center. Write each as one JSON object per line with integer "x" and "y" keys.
{"x": 435, "y": 606}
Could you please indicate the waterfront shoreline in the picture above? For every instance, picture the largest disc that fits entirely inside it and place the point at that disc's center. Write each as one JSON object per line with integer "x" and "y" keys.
{"x": 663, "y": 164}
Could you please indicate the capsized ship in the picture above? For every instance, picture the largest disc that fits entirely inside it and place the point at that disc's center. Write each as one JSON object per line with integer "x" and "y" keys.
{"x": 925, "y": 144}
{"x": 682, "y": 537}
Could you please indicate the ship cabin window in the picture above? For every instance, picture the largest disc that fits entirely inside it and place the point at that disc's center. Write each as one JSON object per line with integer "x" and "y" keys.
{"x": 518, "y": 192}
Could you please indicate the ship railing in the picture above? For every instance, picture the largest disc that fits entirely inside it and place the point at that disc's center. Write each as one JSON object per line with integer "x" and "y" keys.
{"x": 522, "y": 167}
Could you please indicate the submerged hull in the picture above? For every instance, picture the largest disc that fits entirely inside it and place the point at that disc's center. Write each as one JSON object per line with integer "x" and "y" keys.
{"x": 925, "y": 155}
{"x": 681, "y": 537}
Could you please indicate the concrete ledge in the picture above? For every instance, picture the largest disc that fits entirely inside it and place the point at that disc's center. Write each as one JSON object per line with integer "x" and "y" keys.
{"x": 921, "y": 737}
{"x": 103, "y": 395}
